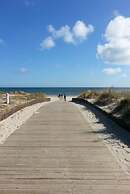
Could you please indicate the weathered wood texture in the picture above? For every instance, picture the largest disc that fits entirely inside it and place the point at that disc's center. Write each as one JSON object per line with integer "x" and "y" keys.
{"x": 56, "y": 152}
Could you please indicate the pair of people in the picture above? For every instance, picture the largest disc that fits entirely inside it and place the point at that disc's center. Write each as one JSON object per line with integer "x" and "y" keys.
{"x": 62, "y": 96}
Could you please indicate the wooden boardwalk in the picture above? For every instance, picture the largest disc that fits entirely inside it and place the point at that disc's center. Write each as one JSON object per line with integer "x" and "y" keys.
{"x": 56, "y": 152}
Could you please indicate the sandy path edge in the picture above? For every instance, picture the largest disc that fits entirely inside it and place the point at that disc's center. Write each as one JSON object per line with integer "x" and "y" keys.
{"x": 119, "y": 149}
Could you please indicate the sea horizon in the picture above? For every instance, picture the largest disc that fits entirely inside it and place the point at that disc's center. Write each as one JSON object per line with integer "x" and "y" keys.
{"x": 54, "y": 91}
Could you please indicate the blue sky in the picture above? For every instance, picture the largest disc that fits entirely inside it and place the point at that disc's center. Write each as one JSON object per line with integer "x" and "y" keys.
{"x": 65, "y": 43}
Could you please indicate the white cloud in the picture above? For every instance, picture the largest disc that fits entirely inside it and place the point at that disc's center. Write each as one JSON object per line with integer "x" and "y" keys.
{"x": 81, "y": 30}
{"x": 74, "y": 35}
{"x": 23, "y": 70}
{"x": 112, "y": 71}
{"x": 116, "y": 50}
{"x": 47, "y": 43}
{"x": 64, "y": 32}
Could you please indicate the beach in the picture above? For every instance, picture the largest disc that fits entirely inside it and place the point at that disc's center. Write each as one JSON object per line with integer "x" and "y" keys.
{"x": 64, "y": 97}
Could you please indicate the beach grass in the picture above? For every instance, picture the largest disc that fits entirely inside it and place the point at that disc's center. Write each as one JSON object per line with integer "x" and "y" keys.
{"x": 19, "y": 100}
{"x": 116, "y": 103}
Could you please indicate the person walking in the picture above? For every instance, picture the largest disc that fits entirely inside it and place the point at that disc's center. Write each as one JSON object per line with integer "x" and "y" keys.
{"x": 64, "y": 97}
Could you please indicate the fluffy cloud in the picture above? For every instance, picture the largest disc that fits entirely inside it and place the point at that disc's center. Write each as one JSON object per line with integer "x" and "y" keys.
{"x": 64, "y": 33}
{"x": 47, "y": 43}
{"x": 81, "y": 30}
{"x": 112, "y": 71}
{"x": 116, "y": 50}
{"x": 74, "y": 35}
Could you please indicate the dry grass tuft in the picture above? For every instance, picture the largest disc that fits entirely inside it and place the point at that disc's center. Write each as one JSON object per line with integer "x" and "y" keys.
{"x": 119, "y": 100}
{"x": 88, "y": 94}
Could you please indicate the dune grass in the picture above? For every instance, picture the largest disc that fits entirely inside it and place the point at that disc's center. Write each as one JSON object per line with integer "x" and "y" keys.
{"x": 121, "y": 100}
{"x": 19, "y": 100}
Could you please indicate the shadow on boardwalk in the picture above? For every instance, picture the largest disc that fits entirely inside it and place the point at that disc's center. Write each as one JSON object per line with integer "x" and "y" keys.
{"x": 110, "y": 127}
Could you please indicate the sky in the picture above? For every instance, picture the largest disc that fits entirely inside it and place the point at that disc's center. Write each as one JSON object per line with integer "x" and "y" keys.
{"x": 74, "y": 43}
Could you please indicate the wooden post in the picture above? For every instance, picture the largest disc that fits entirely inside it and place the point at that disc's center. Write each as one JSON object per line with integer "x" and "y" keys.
{"x": 7, "y": 98}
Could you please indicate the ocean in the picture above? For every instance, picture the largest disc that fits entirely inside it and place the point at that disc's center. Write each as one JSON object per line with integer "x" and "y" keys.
{"x": 50, "y": 91}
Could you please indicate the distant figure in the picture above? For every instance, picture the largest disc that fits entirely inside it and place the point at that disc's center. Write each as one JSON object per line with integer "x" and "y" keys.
{"x": 7, "y": 98}
{"x": 59, "y": 96}
{"x": 64, "y": 97}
